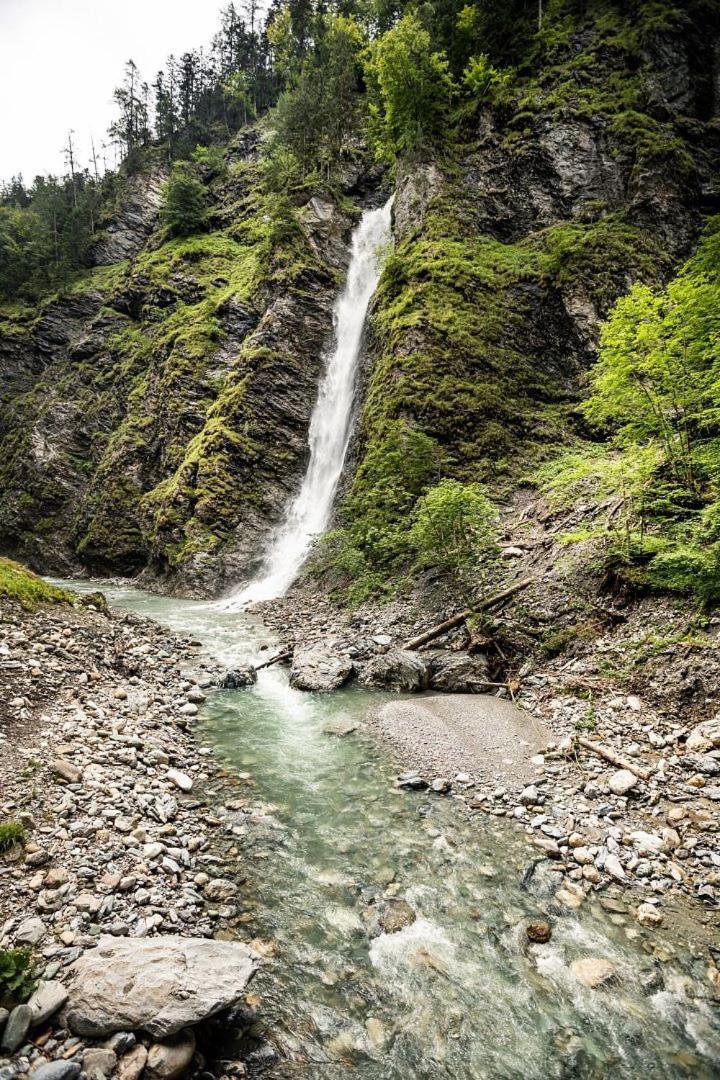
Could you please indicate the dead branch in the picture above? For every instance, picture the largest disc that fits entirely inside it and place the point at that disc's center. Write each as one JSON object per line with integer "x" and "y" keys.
{"x": 455, "y": 620}
{"x": 614, "y": 759}
{"x": 287, "y": 655}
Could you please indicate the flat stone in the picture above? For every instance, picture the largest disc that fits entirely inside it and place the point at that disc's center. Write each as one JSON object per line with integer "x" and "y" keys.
{"x": 30, "y": 932}
{"x": 46, "y": 1001}
{"x": 99, "y": 1059}
{"x": 158, "y": 985}
{"x": 65, "y": 770}
{"x": 57, "y": 1070}
{"x": 622, "y": 781}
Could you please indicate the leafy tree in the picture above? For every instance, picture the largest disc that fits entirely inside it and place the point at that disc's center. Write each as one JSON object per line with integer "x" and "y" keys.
{"x": 411, "y": 90}
{"x": 454, "y": 527}
{"x": 184, "y": 201}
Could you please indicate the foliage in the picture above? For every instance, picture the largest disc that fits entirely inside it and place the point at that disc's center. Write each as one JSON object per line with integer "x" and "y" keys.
{"x": 18, "y": 976}
{"x": 184, "y": 201}
{"x": 410, "y": 90}
{"x": 27, "y": 588}
{"x": 656, "y": 388}
{"x": 11, "y": 834}
{"x": 454, "y": 527}
{"x": 482, "y": 80}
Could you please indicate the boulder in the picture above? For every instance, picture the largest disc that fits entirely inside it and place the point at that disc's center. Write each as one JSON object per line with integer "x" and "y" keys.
{"x": 237, "y": 678}
{"x": 397, "y": 669}
{"x": 316, "y": 668}
{"x": 458, "y": 673}
{"x": 158, "y": 985}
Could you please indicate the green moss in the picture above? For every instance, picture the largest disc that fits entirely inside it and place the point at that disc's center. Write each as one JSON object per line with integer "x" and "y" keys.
{"x": 30, "y": 591}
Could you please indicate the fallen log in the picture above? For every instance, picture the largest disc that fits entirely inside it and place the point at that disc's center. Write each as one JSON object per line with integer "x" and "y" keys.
{"x": 287, "y": 655}
{"x": 455, "y": 620}
{"x": 614, "y": 759}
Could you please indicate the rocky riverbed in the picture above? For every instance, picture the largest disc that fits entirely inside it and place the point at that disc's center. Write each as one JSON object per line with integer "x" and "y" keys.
{"x": 126, "y": 824}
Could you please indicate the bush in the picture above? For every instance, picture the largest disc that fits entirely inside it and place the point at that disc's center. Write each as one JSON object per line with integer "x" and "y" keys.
{"x": 454, "y": 527}
{"x": 184, "y": 201}
{"x": 18, "y": 977}
{"x": 11, "y": 834}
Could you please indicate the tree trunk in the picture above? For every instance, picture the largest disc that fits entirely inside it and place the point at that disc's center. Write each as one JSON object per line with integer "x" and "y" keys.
{"x": 455, "y": 620}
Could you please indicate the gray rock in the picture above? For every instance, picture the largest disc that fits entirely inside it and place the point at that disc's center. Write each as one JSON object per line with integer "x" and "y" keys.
{"x": 16, "y": 1028}
{"x": 397, "y": 669}
{"x": 622, "y": 781}
{"x": 180, "y": 779}
{"x": 65, "y": 770}
{"x": 45, "y": 1002}
{"x": 158, "y": 985}
{"x": 30, "y": 932}
{"x": 316, "y": 668}
{"x": 57, "y": 1070}
{"x": 237, "y": 678}
{"x": 458, "y": 673}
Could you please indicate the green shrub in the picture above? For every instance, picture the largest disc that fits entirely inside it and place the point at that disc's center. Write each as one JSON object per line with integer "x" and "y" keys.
{"x": 11, "y": 834}
{"x": 18, "y": 976}
{"x": 454, "y": 526}
{"x": 184, "y": 201}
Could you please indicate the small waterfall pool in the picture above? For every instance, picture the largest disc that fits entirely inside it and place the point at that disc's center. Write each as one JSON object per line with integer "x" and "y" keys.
{"x": 458, "y": 993}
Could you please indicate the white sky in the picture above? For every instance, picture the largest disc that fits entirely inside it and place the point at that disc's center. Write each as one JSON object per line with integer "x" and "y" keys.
{"x": 60, "y": 61}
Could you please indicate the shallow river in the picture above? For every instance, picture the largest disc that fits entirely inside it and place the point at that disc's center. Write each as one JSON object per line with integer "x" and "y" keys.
{"x": 458, "y": 993}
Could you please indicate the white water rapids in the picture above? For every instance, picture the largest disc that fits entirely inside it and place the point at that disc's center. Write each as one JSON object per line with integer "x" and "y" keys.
{"x": 308, "y": 514}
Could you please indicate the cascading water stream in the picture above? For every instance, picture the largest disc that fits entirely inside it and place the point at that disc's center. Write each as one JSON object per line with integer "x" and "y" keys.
{"x": 308, "y": 514}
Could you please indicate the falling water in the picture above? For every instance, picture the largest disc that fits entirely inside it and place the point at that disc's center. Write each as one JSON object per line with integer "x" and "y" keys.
{"x": 309, "y": 512}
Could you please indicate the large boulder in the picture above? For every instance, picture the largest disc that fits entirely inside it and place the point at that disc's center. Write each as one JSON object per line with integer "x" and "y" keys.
{"x": 316, "y": 668}
{"x": 397, "y": 669}
{"x": 458, "y": 673}
{"x": 158, "y": 985}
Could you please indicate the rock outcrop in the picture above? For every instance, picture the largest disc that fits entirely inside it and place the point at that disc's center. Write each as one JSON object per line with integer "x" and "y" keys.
{"x": 158, "y": 985}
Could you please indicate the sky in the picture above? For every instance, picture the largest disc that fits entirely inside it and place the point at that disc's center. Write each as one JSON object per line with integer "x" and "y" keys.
{"x": 60, "y": 61}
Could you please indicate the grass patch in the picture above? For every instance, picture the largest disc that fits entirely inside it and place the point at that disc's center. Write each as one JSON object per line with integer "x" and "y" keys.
{"x": 29, "y": 590}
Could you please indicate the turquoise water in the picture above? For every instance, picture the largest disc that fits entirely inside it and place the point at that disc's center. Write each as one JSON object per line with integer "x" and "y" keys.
{"x": 458, "y": 993}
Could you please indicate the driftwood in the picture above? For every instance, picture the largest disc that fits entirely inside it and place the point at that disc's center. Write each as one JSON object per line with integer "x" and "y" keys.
{"x": 613, "y": 758}
{"x": 455, "y": 620}
{"x": 275, "y": 659}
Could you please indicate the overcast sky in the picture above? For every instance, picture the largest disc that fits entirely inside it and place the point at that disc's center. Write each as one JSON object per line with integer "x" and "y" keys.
{"x": 61, "y": 59}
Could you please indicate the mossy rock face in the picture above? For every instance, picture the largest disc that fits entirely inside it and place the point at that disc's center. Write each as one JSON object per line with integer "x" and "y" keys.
{"x": 157, "y": 412}
{"x": 27, "y": 589}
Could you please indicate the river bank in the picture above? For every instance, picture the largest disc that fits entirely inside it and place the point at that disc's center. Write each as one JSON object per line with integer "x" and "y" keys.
{"x": 121, "y": 836}
{"x": 361, "y": 893}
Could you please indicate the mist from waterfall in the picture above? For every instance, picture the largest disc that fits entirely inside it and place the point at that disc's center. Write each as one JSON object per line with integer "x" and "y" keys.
{"x": 309, "y": 511}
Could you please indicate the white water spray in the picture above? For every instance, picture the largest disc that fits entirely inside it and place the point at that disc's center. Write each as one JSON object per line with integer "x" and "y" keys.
{"x": 309, "y": 512}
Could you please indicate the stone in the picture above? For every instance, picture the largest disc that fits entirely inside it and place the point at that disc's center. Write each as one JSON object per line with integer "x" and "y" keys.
{"x": 458, "y": 673}
{"x": 647, "y": 844}
{"x": 46, "y": 1001}
{"x": 440, "y": 785}
{"x": 121, "y": 1042}
{"x": 593, "y": 971}
{"x": 539, "y": 931}
{"x": 397, "y": 669}
{"x": 622, "y": 781}
{"x": 705, "y": 736}
{"x": 220, "y": 890}
{"x": 57, "y": 1070}
{"x": 158, "y": 985}
{"x": 132, "y": 1065}
{"x": 339, "y": 727}
{"x": 17, "y": 1026}
{"x": 30, "y": 932}
{"x": 65, "y": 770}
{"x": 99, "y": 1059}
{"x": 169, "y": 1060}
{"x": 648, "y": 915}
{"x": 317, "y": 668}
{"x": 179, "y": 779}
{"x": 529, "y": 796}
{"x": 396, "y": 916}
{"x": 614, "y": 868}
{"x": 237, "y": 678}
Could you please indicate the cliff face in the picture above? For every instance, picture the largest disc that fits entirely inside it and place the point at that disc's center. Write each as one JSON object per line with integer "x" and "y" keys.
{"x": 156, "y": 416}
{"x": 558, "y": 194}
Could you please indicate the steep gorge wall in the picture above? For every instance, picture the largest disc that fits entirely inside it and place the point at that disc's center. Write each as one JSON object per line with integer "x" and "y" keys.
{"x": 156, "y": 415}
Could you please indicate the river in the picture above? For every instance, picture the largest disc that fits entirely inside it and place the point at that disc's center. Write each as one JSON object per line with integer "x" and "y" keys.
{"x": 459, "y": 993}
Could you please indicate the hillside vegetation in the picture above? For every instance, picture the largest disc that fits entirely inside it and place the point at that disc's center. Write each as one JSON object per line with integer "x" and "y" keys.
{"x": 547, "y": 316}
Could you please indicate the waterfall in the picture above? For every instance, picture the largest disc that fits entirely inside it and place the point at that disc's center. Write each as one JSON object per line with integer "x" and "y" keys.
{"x": 309, "y": 511}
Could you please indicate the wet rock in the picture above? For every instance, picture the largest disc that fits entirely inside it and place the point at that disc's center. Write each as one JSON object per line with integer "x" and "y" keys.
{"x": 395, "y": 916}
{"x": 169, "y": 1060}
{"x": 220, "y": 890}
{"x": 440, "y": 785}
{"x": 158, "y": 985}
{"x": 317, "y": 668}
{"x": 397, "y": 669}
{"x": 412, "y": 781}
{"x": 340, "y": 727}
{"x": 237, "y": 678}
{"x": 593, "y": 971}
{"x": 648, "y": 915}
{"x": 539, "y": 932}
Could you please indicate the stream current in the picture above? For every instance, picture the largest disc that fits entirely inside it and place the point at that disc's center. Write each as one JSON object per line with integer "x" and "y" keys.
{"x": 458, "y": 993}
